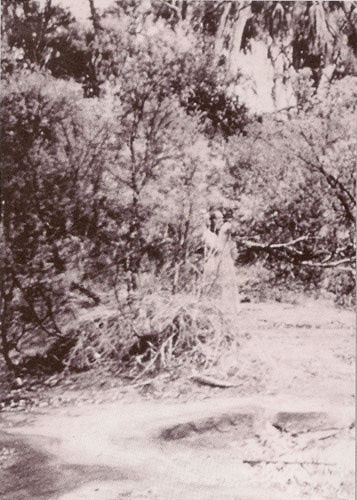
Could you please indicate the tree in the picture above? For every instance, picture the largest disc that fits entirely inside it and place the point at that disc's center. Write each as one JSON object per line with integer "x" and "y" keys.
{"x": 154, "y": 147}
{"x": 311, "y": 34}
{"x": 33, "y": 30}
{"x": 295, "y": 179}
{"x": 297, "y": 34}
{"x": 53, "y": 149}
{"x": 187, "y": 70}
{"x": 47, "y": 38}
{"x": 120, "y": 141}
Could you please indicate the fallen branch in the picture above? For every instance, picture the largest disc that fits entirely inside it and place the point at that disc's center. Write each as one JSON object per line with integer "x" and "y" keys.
{"x": 88, "y": 293}
{"x": 282, "y": 462}
{"x": 213, "y": 382}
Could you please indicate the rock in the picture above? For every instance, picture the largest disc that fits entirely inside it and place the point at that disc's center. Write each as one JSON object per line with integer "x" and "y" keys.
{"x": 300, "y": 422}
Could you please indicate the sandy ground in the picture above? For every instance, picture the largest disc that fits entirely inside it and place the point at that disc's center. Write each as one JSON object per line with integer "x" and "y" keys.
{"x": 285, "y": 432}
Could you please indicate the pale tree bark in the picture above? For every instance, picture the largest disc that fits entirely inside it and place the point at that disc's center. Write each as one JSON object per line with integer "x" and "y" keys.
{"x": 221, "y": 31}
{"x": 244, "y": 14}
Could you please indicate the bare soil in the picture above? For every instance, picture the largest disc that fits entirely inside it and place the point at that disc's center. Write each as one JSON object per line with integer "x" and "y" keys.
{"x": 285, "y": 430}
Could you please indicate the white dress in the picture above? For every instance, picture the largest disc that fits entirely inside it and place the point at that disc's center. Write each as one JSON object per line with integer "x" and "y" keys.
{"x": 219, "y": 275}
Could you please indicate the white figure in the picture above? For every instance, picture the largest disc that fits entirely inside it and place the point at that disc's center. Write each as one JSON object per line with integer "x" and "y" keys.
{"x": 219, "y": 274}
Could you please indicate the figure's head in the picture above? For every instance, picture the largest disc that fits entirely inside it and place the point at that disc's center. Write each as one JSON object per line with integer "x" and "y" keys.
{"x": 216, "y": 220}
{"x": 228, "y": 215}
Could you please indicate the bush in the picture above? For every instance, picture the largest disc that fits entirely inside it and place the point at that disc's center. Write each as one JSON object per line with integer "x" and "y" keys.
{"x": 53, "y": 151}
{"x": 150, "y": 333}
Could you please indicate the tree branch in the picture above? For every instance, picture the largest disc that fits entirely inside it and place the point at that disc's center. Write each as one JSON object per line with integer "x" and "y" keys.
{"x": 173, "y": 7}
{"x": 88, "y": 293}
{"x": 263, "y": 246}
{"x": 39, "y": 321}
{"x": 336, "y": 263}
{"x": 335, "y": 184}
{"x": 332, "y": 181}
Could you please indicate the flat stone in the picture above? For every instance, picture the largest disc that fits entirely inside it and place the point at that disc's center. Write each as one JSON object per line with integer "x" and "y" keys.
{"x": 300, "y": 422}
{"x": 241, "y": 425}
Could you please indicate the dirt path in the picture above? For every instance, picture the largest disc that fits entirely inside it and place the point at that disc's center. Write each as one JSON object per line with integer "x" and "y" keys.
{"x": 290, "y": 436}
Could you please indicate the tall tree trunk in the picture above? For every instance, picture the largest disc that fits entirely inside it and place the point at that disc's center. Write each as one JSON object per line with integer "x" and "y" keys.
{"x": 94, "y": 17}
{"x": 219, "y": 42}
{"x": 184, "y": 7}
{"x": 6, "y": 345}
{"x": 244, "y": 14}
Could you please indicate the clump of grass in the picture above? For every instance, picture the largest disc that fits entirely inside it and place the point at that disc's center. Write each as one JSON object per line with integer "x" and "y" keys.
{"x": 183, "y": 328}
{"x": 151, "y": 332}
{"x": 102, "y": 336}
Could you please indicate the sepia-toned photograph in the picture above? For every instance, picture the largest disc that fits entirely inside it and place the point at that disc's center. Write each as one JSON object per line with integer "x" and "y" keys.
{"x": 178, "y": 249}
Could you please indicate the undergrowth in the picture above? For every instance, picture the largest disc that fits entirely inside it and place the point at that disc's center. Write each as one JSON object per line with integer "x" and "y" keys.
{"x": 149, "y": 333}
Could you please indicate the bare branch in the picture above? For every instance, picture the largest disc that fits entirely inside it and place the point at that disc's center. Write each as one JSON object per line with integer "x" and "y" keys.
{"x": 335, "y": 263}
{"x": 327, "y": 262}
{"x": 340, "y": 190}
{"x": 86, "y": 291}
{"x": 173, "y": 7}
{"x": 332, "y": 181}
{"x": 254, "y": 244}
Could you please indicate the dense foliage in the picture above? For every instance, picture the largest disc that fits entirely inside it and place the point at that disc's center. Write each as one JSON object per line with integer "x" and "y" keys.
{"x": 118, "y": 141}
